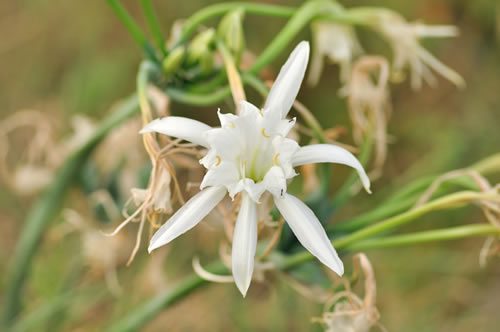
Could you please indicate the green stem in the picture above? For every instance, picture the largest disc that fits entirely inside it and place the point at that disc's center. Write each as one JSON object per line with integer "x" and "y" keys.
{"x": 153, "y": 24}
{"x": 383, "y": 211}
{"x": 47, "y": 207}
{"x": 192, "y": 23}
{"x": 450, "y": 201}
{"x": 402, "y": 200}
{"x": 133, "y": 28}
{"x": 150, "y": 309}
{"x": 446, "y": 234}
{"x": 146, "y": 312}
{"x": 197, "y": 99}
{"x": 302, "y": 16}
{"x": 398, "y": 240}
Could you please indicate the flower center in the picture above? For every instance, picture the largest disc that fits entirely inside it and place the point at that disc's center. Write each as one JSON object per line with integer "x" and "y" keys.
{"x": 257, "y": 158}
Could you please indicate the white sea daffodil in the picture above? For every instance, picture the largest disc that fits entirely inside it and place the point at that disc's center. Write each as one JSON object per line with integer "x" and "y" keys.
{"x": 249, "y": 155}
{"x": 404, "y": 38}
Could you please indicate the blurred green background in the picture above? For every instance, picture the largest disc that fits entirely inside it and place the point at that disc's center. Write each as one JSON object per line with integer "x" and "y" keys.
{"x": 69, "y": 57}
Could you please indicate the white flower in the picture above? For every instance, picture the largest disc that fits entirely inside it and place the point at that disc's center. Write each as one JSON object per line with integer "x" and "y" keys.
{"x": 404, "y": 38}
{"x": 250, "y": 154}
{"x": 338, "y": 43}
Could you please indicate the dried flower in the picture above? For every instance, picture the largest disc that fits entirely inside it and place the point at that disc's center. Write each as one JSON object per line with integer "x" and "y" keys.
{"x": 103, "y": 255}
{"x": 43, "y": 154}
{"x": 346, "y": 311}
{"x": 404, "y": 38}
{"x": 369, "y": 105}
{"x": 335, "y": 41}
{"x": 250, "y": 154}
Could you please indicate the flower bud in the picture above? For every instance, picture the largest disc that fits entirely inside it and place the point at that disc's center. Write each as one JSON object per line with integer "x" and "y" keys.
{"x": 173, "y": 61}
{"x": 199, "y": 46}
{"x": 231, "y": 32}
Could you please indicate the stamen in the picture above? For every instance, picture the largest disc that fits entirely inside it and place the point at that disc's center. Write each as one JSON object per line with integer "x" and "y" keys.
{"x": 218, "y": 160}
{"x": 263, "y": 132}
{"x": 276, "y": 159}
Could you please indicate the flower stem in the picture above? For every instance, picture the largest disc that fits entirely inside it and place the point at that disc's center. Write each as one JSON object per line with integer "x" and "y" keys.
{"x": 154, "y": 25}
{"x": 150, "y": 309}
{"x": 192, "y": 23}
{"x": 445, "y": 234}
{"x": 408, "y": 196}
{"x": 146, "y": 312}
{"x": 302, "y": 16}
{"x": 198, "y": 99}
{"x": 46, "y": 208}
{"x": 450, "y": 201}
{"x": 233, "y": 75}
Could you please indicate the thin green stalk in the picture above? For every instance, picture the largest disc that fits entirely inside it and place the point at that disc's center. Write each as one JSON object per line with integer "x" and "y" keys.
{"x": 402, "y": 200}
{"x": 144, "y": 314}
{"x": 445, "y": 234}
{"x": 198, "y": 99}
{"x": 301, "y": 18}
{"x": 487, "y": 166}
{"x": 383, "y": 211}
{"x": 153, "y": 24}
{"x": 45, "y": 210}
{"x": 133, "y": 28}
{"x": 450, "y": 201}
{"x": 193, "y": 22}
{"x": 150, "y": 309}
{"x": 436, "y": 235}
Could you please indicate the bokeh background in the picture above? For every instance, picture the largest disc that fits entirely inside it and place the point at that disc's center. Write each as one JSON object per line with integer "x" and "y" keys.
{"x": 69, "y": 57}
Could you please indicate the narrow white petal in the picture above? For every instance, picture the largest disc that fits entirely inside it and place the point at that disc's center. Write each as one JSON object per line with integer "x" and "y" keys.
{"x": 440, "y": 67}
{"x": 309, "y": 231}
{"x": 328, "y": 153}
{"x": 287, "y": 84}
{"x": 179, "y": 127}
{"x": 188, "y": 216}
{"x": 244, "y": 244}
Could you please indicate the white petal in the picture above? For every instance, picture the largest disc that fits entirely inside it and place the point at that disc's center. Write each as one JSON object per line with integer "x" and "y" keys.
{"x": 287, "y": 84}
{"x": 309, "y": 231}
{"x": 179, "y": 127}
{"x": 209, "y": 159}
{"x": 226, "y": 119}
{"x": 328, "y": 153}
{"x": 285, "y": 149}
{"x": 225, "y": 141}
{"x": 221, "y": 175}
{"x": 244, "y": 244}
{"x": 274, "y": 181}
{"x": 248, "y": 109}
{"x": 188, "y": 216}
{"x": 254, "y": 190}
